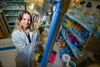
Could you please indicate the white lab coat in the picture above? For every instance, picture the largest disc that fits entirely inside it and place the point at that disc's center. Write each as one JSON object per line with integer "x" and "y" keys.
{"x": 24, "y": 49}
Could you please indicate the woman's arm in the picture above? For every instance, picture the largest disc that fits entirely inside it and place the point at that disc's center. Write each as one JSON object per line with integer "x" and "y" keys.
{"x": 38, "y": 38}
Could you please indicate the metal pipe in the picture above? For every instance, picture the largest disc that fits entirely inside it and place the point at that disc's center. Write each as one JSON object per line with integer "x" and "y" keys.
{"x": 56, "y": 22}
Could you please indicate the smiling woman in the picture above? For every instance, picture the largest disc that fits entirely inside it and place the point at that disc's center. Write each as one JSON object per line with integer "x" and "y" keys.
{"x": 25, "y": 40}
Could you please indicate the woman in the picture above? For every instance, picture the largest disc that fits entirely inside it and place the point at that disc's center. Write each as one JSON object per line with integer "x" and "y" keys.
{"x": 25, "y": 40}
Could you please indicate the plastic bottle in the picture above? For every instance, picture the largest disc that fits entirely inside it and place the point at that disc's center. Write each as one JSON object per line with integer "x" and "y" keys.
{"x": 66, "y": 58}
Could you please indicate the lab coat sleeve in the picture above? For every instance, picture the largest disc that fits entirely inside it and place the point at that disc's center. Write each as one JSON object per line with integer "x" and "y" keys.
{"x": 38, "y": 39}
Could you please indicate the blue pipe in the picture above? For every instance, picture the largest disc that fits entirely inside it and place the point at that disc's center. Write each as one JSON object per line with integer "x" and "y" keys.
{"x": 53, "y": 28}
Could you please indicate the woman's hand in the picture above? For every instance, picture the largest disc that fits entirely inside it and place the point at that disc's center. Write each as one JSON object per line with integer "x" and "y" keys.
{"x": 36, "y": 25}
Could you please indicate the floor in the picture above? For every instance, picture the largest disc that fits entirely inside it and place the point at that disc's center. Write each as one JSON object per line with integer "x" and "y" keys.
{"x": 7, "y": 57}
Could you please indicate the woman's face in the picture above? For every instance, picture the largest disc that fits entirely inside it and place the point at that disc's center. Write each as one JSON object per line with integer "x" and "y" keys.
{"x": 25, "y": 22}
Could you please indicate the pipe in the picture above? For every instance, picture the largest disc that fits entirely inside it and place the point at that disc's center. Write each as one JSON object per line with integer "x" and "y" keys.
{"x": 54, "y": 29}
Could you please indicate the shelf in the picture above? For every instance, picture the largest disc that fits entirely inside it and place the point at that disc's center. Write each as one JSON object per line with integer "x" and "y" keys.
{"x": 74, "y": 49}
{"x": 77, "y": 37}
{"x": 77, "y": 31}
{"x": 11, "y": 15}
{"x": 14, "y": 8}
{"x": 86, "y": 23}
{"x": 12, "y": 3}
{"x": 11, "y": 21}
{"x": 11, "y": 25}
{"x": 82, "y": 22}
{"x": 82, "y": 41}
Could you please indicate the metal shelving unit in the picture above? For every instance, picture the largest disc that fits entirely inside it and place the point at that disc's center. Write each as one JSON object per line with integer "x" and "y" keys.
{"x": 11, "y": 13}
{"x": 80, "y": 38}
{"x": 83, "y": 23}
{"x": 11, "y": 10}
{"x": 4, "y": 29}
{"x": 73, "y": 48}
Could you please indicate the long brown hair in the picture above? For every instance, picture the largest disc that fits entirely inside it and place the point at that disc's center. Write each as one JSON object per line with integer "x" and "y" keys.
{"x": 18, "y": 26}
